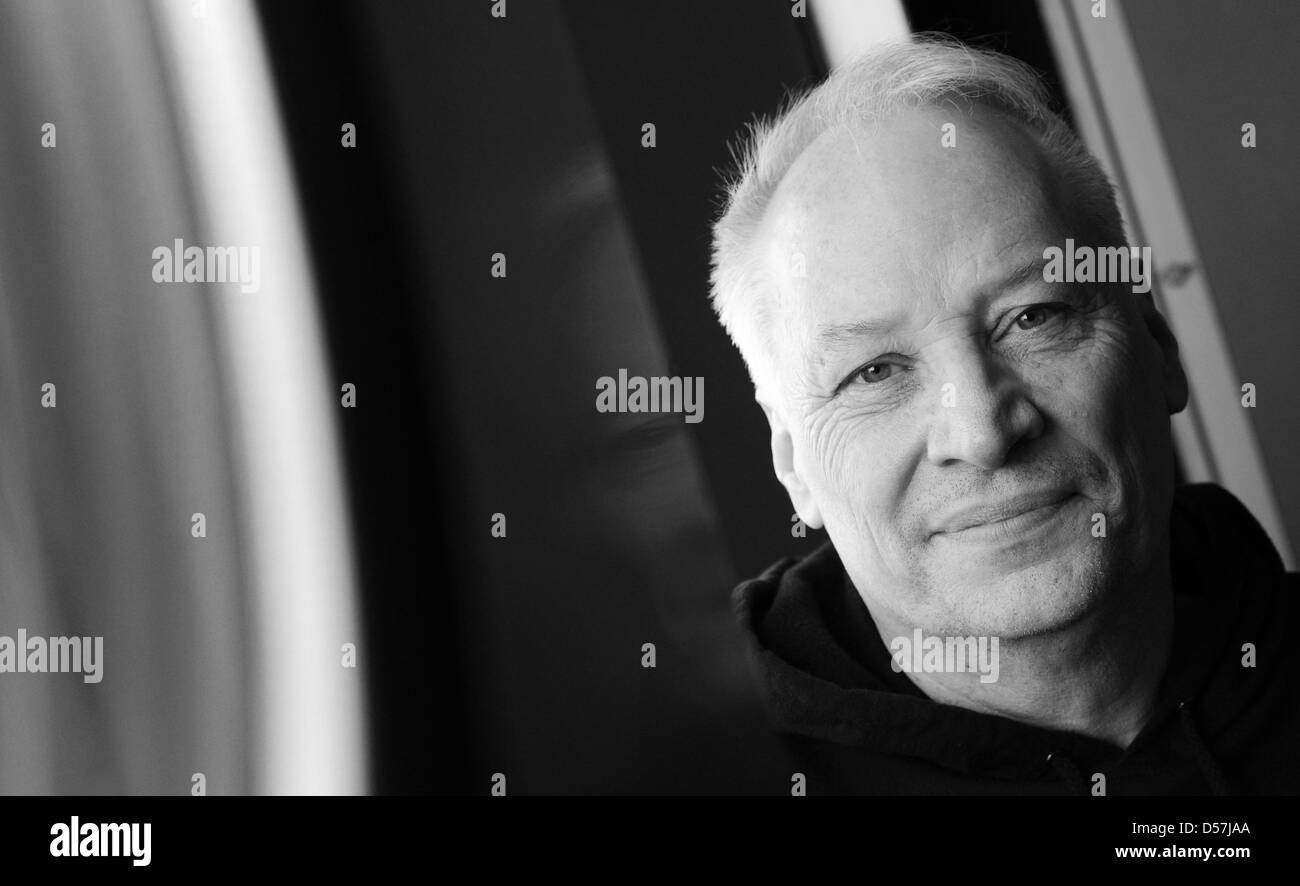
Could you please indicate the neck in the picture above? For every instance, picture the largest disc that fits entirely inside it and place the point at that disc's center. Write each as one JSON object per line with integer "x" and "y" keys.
{"x": 1097, "y": 677}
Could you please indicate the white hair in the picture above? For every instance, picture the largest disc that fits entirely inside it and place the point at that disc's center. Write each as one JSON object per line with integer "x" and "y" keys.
{"x": 930, "y": 70}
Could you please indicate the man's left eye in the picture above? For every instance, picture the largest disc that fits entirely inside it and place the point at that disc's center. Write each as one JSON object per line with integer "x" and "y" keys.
{"x": 1036, "y": 316}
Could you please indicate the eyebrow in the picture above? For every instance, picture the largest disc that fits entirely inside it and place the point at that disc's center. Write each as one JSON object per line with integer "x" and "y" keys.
{"x": 841, "y": 333}
{"x": 1026, "y": 273}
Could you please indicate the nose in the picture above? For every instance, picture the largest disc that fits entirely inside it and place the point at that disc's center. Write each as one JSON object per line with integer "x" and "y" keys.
{"x": 982, "y": 410}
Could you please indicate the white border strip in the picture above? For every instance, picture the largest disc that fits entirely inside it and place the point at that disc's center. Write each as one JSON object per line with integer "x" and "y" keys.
{"x": 1153, "y": 192}
{"x": 309, "y": 714}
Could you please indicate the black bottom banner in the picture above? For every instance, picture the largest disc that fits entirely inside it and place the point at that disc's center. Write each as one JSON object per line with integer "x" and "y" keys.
{"x": 334, "y": 835}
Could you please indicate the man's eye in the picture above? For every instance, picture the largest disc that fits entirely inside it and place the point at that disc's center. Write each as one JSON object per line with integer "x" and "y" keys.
{"x": 1036, "y": 316}
{"x": 872, "y": 373}
{"x": 875, "y": 372}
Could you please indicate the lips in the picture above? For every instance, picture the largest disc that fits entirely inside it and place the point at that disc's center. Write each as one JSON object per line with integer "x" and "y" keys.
{"x": 1002, "y": 511}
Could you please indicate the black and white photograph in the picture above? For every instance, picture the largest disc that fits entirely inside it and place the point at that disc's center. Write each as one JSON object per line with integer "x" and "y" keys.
{"x": 467, "y": 401}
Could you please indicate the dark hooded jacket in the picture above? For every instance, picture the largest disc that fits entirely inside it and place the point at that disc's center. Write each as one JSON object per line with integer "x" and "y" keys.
{"x": 855, "y": 726}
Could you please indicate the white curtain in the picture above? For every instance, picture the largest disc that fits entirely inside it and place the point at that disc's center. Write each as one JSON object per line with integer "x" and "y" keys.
{"x": 221, "y": 654}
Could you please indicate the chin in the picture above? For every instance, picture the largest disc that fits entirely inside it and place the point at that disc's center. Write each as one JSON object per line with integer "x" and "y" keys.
{"x": 1034, "y": 600}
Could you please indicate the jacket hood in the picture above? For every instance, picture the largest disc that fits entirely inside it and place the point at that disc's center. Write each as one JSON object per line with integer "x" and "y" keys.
{"x": 827, "y": 676}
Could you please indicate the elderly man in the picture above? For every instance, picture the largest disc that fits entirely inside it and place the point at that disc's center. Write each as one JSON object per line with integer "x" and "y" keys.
{"x": 1015, "y": 597}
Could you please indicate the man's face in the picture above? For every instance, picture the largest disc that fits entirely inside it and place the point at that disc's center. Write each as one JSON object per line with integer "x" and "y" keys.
{"x": 960, "y": 426}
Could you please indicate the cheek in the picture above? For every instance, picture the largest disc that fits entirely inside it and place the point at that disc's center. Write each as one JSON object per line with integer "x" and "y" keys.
{"x": 1112, "y": 389}
{"x": 1087, "y": 399}
{"x": 858, "y": 469}
{"x": 1107, "y": 399}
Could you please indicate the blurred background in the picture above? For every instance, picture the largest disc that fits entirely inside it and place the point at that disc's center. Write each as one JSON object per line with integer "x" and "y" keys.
{"x": 380, "y": 155}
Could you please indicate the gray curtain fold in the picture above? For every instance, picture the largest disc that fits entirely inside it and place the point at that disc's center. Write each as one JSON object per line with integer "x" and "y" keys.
{"x": 97, "y": 493}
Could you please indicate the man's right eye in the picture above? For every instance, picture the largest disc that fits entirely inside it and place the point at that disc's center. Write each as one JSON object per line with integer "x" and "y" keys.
{"x": 875, "y": 372}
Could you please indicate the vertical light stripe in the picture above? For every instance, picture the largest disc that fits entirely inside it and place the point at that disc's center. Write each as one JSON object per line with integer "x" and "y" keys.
{"x": 309, "y": 722}
{"x": 847, "y": 27}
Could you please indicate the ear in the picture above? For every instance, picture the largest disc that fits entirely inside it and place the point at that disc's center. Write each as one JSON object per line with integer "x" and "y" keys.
{"x": 784, "y": 466}
{"x": 1174, "y": 378}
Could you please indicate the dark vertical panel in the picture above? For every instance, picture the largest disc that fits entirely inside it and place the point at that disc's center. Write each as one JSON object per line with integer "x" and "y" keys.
{"x": 1013, "y": 27}
{"x": 699, "y": 76}
{"x": 611, "y": 540}
{"x": 399, "y": 472}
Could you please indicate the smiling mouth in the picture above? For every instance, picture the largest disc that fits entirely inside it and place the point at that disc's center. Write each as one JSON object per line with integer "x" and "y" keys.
{"x": 1014, "y": 518}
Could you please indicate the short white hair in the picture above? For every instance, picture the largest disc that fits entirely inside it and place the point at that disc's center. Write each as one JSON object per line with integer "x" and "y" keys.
{"x": 929, "y": 70}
